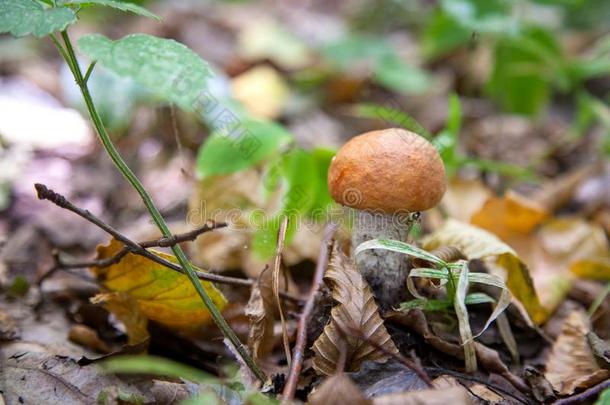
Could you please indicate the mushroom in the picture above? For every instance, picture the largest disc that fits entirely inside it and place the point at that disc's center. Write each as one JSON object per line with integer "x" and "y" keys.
{"x": 386, "y": 176}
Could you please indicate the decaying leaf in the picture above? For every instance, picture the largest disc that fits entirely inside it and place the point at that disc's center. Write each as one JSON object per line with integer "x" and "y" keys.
{"x": 127, "y": 310}
{"x": 600, "y": 349}
{"x": 571, "y": 365}
{"x": 477, "y": 243}
{"x": 163, "y": 295}
{"x": 38, "y": 376}
{"x": 338, "y": 389}
{"x": 261, "y": 311}
{"x": 356, "y": 309}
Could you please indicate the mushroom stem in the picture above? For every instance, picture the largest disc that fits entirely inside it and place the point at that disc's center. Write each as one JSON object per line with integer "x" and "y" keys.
{"x": 386, "y": 272}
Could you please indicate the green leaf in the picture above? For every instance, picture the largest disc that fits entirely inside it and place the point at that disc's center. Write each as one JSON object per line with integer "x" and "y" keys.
{"x": 167, "y": 68}
{"x": 300, "y": 184}
{"x": 322, "y": 199}
{"x": 24, "y": 17}
{"x": 230, "y": 149}
{"x": 487, "y": 16}
{"x": 442, "y": 35}
{"x": 400, "y": 247}
{"x": 387, "y": 66}
{"x": 524, "y": 68}
{"x": 393, "y": 73}
{"x": 479, "y": 298}
{"x": 119, "y": 5}
{"x": 454, "y": 119}
{"x": 425, "y": 304}
{"x": 146, "y": 364}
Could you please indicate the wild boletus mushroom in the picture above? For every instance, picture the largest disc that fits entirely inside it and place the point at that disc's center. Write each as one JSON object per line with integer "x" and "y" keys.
{"x": 386, "y": 176}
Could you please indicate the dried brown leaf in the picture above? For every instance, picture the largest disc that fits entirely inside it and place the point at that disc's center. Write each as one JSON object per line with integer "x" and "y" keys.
{"x": 357, "y": 310}
{"x": 338, "y": 389}
{"x": 571, "y": 365}
{"x": 261, "y": 312}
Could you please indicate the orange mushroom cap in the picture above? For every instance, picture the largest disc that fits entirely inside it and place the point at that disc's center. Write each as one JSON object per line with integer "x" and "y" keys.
{"x": 389, "y": 171}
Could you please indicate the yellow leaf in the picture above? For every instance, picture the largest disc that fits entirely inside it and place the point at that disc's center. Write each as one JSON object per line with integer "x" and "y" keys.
{"x": 262, "y": 91}
{"x": 477, "y": 243}
{"x": 163, "y": 295}
{"x": 509, "y": 215}
{"x": 597, "y": 269}
{"x": 126, "y": 309}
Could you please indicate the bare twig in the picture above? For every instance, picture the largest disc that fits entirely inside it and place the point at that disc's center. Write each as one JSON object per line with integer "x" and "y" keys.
{"x": 585, "y": 396}
{"x": 275, "y": 277}
{"x": 130, "y": 246}
{"x": 301, "y": 340}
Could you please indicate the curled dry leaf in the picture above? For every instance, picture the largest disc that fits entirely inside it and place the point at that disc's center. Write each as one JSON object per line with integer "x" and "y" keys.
{"x": 338, "y": 389}
{"x": 261, "y": 312}
{"x": 356, "y": 309}
{"x": 477, "y": 243}
{"x": 601, "y": 350}
{"x": 127, "y": 310}
{"x": 572, "y": 365}
{"x": 163, "y": 295}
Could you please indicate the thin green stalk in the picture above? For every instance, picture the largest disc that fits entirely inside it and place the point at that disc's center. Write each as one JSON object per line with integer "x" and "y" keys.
{"x": 72, "y": 62}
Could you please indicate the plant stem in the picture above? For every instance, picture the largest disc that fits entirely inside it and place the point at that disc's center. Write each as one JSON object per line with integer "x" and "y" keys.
{"x": 72, "y": 62}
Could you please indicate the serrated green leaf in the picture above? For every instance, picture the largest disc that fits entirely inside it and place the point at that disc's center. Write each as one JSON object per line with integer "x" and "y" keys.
{"x": 166, "y": 67}
{"x": 243, "y": 145}
{"x": 24, "y": 17}
{"x": 119, "y": 5}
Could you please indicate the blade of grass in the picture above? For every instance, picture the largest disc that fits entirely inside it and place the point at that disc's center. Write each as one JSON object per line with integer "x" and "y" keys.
{"x": 400, "y": 247}
{"x": 459, "y": 305}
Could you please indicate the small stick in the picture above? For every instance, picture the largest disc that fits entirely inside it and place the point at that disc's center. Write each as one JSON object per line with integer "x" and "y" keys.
{"x": 275, "y": 277}
{"x": 45, "y": 193}
{"x": 301, "y": 340}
